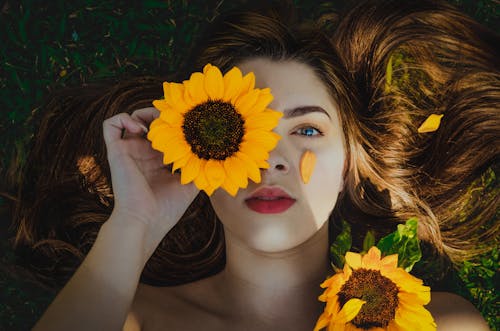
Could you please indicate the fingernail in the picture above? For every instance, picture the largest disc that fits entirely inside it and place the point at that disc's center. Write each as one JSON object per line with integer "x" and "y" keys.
{"x": 143, "y": 128}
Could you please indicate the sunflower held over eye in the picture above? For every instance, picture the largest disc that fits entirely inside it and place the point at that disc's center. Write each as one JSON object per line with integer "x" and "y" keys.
{"x": 216, "y": 129}
{"x": 372, "y": 293}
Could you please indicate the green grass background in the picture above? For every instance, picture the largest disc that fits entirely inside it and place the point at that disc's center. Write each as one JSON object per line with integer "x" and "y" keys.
{"x": 47, "y": 45}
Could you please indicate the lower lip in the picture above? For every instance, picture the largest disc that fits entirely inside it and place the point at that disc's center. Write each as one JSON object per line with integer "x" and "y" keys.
{"x": 269, "y": 206}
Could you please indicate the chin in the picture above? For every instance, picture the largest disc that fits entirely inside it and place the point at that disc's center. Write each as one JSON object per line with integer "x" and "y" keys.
{"x": 275, "y": 238}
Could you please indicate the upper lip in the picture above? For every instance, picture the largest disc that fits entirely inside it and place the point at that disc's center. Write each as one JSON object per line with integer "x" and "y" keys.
{"x": 269, "y": 192}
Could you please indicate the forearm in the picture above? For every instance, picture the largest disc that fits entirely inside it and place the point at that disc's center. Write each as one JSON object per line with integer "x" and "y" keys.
{"x": 100, "y": 293}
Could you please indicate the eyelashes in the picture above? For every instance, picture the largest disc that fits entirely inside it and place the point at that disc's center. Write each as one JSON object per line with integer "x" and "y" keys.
{"x": 308, "y": 131}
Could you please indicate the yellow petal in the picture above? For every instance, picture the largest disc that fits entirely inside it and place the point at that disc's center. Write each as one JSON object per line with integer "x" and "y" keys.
{"x": 206, "y": 68}
{"x": 214, "y": 84}
{"x": 201, "y": 181}
{"x": 353, "y": 260}
{"x": 248, "y": 82}
{"x": 196, "y": 88}
{"x": 264, "y": 99}
{"x": 389, "y": 261}
{"x": 414, "y": 297}
{"x": 266, "y": 139}
{"x": 336, "y": 326}
{"x": 431, "y": 124}
{"x": 307, "y": 163}
{"x": 190, "y": 170}
{"x": 246, "y": 102}
{"x": 236, "y": 170}
{"x": 215, "y": 173}
{"x": 161, "y": 105}
{"x": 253, "y": 151}
{"x": 407, "y": 282}
{"x": 350, "y": 309}
{"x": 181, "y": 162}
{"x": 164, "y": 133}
{"x": 262, "y": 164}
{"x": 332, "y": 307}
{"x": 174, "y": 93}
{"x": 323, "y": 320}
{"x": 172, "y": 117}
{"x": 413, "y": 320}
{"x": 253, "y": 171}
{"x": 174, "y": 154}
{"x": 266, "y": 120}
{"x": 371, "y": 260}
{"x": 347, "y": 271}
{"x": 233, "y": 81}
{"x": 230, "y": 186}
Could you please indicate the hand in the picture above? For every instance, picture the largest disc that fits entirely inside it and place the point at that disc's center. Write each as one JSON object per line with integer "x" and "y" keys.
{"x": 143, "y": 188}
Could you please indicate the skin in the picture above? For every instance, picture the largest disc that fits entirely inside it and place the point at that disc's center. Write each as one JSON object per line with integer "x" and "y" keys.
{"x": 275, "y": 263}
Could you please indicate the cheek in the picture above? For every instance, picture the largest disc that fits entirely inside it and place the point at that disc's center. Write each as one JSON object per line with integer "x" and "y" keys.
{"x": 222, "y": 203}
{"x": 325, "y": 185}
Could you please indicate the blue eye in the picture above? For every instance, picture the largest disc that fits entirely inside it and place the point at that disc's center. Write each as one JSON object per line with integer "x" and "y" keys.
{"x": 308, "y": 131}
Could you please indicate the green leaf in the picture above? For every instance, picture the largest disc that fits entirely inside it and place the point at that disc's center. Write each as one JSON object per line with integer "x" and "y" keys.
{"x": 341, "y": 245}
{"x": 369, "y": 241}
{"x": 405, "y": 243}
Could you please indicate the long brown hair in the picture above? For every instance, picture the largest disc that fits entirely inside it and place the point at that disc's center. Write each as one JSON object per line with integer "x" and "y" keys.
{"x": 410, "y": 59}
{"x": 66, "y": 195}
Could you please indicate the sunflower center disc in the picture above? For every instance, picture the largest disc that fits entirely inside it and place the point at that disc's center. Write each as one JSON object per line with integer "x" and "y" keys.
{"x": 213, "y": 129}
{"x": 380, "y": 294}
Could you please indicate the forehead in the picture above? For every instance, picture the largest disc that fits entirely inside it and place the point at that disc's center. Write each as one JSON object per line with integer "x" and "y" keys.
{"x": 292, "y": 83}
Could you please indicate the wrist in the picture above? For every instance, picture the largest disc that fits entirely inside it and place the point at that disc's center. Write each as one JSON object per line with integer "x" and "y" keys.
{"x": 135, "y": 237}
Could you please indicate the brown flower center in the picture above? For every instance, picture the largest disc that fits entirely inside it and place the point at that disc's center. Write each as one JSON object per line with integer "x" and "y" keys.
{"x": 213, "y": 129}
{"x": 380, "y": 294}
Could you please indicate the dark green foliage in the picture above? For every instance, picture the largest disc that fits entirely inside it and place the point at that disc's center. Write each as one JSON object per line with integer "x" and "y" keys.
{"x": 405, "y": 243}
{"x": 47, "y": 45}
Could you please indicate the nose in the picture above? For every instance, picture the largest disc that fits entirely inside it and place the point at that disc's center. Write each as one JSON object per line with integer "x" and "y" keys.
{"x": 277, "y": 163}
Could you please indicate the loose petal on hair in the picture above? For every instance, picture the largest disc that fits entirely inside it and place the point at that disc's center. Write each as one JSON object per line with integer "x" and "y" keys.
{"x": 431, "y": 124}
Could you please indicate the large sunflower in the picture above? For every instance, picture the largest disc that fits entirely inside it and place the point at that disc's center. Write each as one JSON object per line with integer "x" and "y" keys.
{"x": 216, "y": 129}
{"x": 374, "y": 294}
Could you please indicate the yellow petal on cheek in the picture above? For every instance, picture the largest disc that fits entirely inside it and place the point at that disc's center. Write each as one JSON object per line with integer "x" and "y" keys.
{"x": 431, "y": 124}
{"x": 307, "y": 164}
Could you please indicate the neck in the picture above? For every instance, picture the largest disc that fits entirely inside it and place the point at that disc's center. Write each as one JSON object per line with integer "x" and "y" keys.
{"x": 270, "y": 285}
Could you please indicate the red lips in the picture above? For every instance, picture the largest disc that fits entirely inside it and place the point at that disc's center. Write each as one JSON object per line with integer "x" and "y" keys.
{"x": 269, "y": 200}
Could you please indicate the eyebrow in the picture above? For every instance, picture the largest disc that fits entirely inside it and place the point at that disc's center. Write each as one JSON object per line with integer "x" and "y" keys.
{"x": 301, "y": 111}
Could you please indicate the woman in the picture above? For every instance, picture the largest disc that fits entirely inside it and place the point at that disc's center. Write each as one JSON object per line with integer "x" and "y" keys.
{"x": 273, "y": 262}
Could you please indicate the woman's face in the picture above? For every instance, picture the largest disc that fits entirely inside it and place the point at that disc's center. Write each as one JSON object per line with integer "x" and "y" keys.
{"x": 310, "y": 122}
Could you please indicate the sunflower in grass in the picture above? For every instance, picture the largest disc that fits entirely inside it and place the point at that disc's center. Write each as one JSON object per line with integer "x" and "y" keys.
{"x": 216, "y": 129}
{"x": 372, "y": 293}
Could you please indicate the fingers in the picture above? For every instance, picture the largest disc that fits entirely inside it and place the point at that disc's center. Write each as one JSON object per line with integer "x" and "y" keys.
{"x": 114, "y": 127}
{"x": 146, "y": 115}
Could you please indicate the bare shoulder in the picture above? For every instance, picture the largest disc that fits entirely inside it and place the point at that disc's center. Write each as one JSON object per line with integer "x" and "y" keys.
{"x": 176, "y": 308}
{"x": 454, "y": 313}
